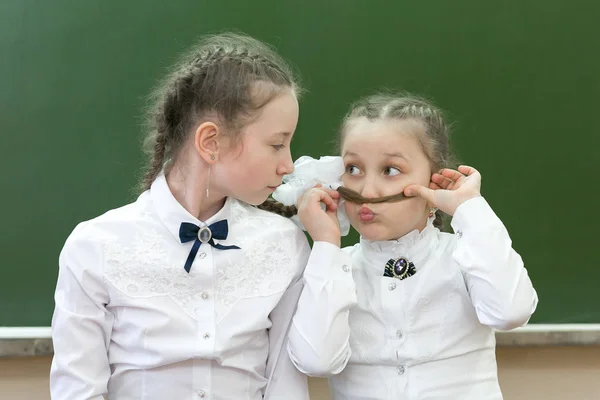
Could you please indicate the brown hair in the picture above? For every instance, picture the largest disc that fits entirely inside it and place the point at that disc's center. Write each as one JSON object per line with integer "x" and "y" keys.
{"x": 347, "y": 194}
{"x": 216, "y": 77}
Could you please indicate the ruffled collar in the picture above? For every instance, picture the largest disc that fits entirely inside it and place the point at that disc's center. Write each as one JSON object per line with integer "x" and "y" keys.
{"x": 415, "y": 246}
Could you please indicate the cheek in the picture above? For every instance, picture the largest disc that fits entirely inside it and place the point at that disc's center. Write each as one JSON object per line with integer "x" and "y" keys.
{"x": 237, "y": 173}
{"x": 245, "y": 160}
{"x": 412, "y": 179}
{"x": 355, "y": 183}
{"x": 346, "y": 181}
{"x": 425, "y": 177}
{"x": 390, "y": 187}
{"x": 248, "y": 171}
{"x": 349, "y": 209}
{"x": 413, "y": 208}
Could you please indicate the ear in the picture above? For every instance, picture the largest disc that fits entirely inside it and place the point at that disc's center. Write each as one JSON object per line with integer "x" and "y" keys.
{"x": 207, "y": 138}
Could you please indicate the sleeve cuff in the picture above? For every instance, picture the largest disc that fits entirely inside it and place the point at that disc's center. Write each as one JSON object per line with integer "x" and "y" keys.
{"x": 329, "y": 262}
{"x": 473, "y": 215}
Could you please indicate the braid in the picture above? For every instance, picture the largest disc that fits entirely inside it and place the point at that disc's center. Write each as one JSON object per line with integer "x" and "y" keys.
{"x": 156, "y": 162}
{"x": 276, "y": 207}
{"x": 165, "y": 127}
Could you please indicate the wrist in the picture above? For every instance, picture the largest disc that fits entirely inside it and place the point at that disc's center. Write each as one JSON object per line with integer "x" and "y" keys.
{"x": 336, "y": 241}
{"x": 464, "y": 200}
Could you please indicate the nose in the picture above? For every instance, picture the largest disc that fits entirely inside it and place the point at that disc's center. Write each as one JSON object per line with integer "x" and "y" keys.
{"x": 369, "y": 189}
{"x": 286, "y": 165}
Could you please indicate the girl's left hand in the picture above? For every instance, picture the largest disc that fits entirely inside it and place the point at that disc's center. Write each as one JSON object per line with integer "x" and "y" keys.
{"x": 449, "y": 188}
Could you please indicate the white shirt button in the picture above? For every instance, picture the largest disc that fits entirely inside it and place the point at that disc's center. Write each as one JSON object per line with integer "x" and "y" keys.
{"x": 401, "y": 370}
{"x": 392, "y": 286}
{"x": 202, "y": 394}
{"x": 206, "y": 335}
{"x": 459, "y": 234}
{"x": 204, "y": 296}
{"x": 346, "y": 268}
{"x": 399, "y": 334}
{"x": 202, "y": 255}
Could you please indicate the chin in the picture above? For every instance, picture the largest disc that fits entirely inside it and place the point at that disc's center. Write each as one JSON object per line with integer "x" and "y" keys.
{"x": 253, "y": 200}
{"x": 377, "y": 238}
{"x": 377, "y": 233}
{"x": 372, "y": 233}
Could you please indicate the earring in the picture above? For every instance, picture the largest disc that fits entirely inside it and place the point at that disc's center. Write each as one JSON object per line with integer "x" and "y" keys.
{"x": 432, "y": 212}
{"x": 208, "y": 181}
{"x": 212, "y": 157}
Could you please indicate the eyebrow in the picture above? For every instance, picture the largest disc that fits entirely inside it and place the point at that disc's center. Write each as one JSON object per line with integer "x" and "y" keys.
{"x": 399, "y": 155}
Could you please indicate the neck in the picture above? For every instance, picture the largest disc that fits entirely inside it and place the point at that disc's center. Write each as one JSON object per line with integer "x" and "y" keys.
{"x": 188, "y": 184}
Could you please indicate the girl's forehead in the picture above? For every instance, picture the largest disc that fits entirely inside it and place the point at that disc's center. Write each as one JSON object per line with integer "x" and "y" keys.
{"x": 279, "y": 114}
{"x": 387, "y": 125}
{"x": 364, "y": 135}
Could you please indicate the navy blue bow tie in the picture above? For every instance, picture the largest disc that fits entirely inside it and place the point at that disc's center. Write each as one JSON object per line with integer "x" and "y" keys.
{"x": 206, "y": 234}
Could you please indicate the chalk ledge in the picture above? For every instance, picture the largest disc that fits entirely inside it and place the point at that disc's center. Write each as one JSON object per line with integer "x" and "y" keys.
{"x": 550, "y": 335}
{"x": 37, "y": 341}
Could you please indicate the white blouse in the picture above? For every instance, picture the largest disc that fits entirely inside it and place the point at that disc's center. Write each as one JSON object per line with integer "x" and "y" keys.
{"x": 429, "y": 336}
{"x": 131, "y": 323}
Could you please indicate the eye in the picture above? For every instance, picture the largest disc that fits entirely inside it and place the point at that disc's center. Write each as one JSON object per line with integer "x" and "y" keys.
{"x": 391, "y": 171}
{"x": 278, "y": 146}
{"x": 352, "y": 170}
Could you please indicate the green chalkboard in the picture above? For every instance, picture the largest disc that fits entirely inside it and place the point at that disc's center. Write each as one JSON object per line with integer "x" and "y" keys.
{"x": 519, "y": 79}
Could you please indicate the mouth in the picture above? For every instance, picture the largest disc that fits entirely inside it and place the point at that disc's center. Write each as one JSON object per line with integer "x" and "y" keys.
{"x": 273, "y": 188}
{"x": 366, "y": 214}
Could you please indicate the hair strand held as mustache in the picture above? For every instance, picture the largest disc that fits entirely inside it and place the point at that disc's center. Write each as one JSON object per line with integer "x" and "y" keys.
{"x": 357, "y": 198}
{"x": 347, "y": 194}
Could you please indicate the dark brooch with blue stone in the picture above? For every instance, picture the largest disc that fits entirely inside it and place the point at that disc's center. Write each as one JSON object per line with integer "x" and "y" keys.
{"x": 399, "y": 268}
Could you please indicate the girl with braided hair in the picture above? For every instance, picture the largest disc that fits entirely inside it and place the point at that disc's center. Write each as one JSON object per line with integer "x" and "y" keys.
{"x": 415, "y": 316}
{"x": 189, "y": 292}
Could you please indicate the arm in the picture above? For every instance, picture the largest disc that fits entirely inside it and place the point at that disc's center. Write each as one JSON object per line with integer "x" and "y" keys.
{"x": 498, "y": 284}
{"x": 81, "y": 325}
{"x": 285, "y": 381}
{"x": 500, "y": 289}
{"x": 319, "y": 337}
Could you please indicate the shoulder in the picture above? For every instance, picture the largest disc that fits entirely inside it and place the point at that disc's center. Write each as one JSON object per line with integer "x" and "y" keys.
{"x": 105, "y": 227}
{"x": 268, "y": 233}
{"x": 351, "y": 250}
{"x": 265, "y": 222}
{"x": 446, "y": 241}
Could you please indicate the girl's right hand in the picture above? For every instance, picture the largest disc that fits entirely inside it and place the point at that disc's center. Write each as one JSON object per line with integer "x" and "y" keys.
{"x": 449, "y": 188}
{"x": 321, "y": 225}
